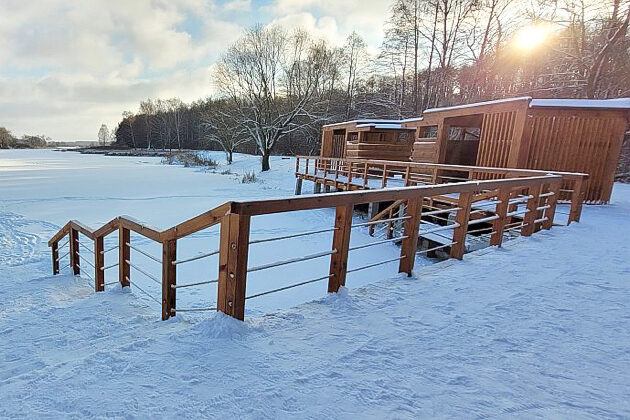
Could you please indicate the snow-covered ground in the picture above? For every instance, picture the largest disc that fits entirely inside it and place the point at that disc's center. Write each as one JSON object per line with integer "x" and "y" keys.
{"x": 540, "y": 327}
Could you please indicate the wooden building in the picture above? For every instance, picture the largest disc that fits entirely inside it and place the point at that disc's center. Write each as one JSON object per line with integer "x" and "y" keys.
{"x": 573, "y": 135}
{"x": 368, "y": 139}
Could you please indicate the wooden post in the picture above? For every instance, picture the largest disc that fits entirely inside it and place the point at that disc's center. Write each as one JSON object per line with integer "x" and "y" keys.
{"x": 529, "y": 227}
{"x": 169, "y": 278}
{"x": 341, "y": 242}
{"x": 577, "y": 199}
{"x": 459, "y": 233}
{"x": 407, "y": 176}
{"x": 306, "y": 167}
{"x": 349, "y": 175}
{"x": 297, "y": 164}
{"x": 317, "y": 187}
{"x": 409, "y": 246}
{"x": 55, "y": 257}
{"x": 75, "y": 261}
{"x": 384, "y": 184}
{"x": 552, "y": 201}
{"x": 499, "y": 224}
{"x": 298, "y": 186}
{"x": 99, "y": 263}
{"x": 365, "y": 175}
{"x": 124, "y": 254}
{"x": 233, "y": 265}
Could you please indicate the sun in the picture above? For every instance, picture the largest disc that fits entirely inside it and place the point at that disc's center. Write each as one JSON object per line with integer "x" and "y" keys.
{"x": 530, "y": 37}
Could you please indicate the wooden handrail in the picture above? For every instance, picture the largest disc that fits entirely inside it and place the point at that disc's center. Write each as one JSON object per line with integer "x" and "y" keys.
{"x": 463, "y": 168}
{"x": 234, "y": 218}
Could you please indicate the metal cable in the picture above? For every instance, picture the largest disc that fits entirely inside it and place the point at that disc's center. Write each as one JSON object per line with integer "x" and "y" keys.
{"x": 86, "y": 261}
{"x": 143, "y": 291}
{"x": 179, "y": 286}
{"x": 484, "y": 220}
{"x": 439, "y": 229}
{"x": 63, "y": 256}
{"x": 85, "y": 246}
{"x": 381, "y": 221}
{"x": 289, "y": 287}
{"x": 290, "y": 261}
{"x": 173, "y": 310}
{"x": 400, "y": 238}
{"x": 197, "y": 257}
{"x": 431, "y": 213}
{"x": 109, "y": 266}
{"x": 144, "y": 272}
{"x": 436, "y": 248}
{"x": 296, "y": 235}
{"x": 375, "y": 264}
{"x": 109, "y": 249}
{"x": 144, "y": 253}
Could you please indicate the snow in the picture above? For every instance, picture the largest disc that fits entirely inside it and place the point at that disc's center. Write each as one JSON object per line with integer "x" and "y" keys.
{"x": 617, "y": 103}
{"x": 538, "y": 328}
{"x": 475, "y": 104}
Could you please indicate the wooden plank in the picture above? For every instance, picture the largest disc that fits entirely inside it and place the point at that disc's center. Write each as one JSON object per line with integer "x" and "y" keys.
{"x": 528, "y": 219}
{"x": 341, "y": 243}
{"x": 99, "y": 263}
{"x": 233, "y": 255}
{"x": 309, "y": 202}
{"x": 551, "y": 201}
{"x": 197, "y": 223}
{"x": 124, "y": 255}
{"x": 60, "y": 234}
{"x": 75, "y": 261}
{"x": 409, "y": 246}
{"x": 461, "y": 217}
{"x": 55, "y": 257}
{"x": 169, "y": 278}
{"x": 498, "y": 225}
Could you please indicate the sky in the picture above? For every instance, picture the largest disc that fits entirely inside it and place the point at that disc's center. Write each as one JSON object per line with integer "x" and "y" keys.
{"x": 68, "y": 66}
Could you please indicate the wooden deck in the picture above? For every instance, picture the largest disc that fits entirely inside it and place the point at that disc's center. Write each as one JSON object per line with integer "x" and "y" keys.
{"x": 525, "y": 203}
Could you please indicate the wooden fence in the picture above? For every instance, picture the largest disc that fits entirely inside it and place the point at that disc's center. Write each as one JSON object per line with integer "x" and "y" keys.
{"x": 361, "y": 174}
{"x": 538, "y": 195}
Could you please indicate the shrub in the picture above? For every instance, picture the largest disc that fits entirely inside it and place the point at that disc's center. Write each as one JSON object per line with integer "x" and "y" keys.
{"x": 248, "y": 178}
{"x": 190, "y": 159}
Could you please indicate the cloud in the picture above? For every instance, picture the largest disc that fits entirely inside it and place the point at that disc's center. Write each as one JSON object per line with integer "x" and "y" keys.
{"x": 68, "y": 66}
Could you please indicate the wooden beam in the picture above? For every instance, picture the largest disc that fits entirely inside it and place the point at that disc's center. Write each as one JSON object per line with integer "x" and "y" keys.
{"x": 124, "y": 255}
{"x": 169, "y": 278}
{"x": 461, "y": 218}
{"x": 529, "y": 227}
{"x": 55, "y": 257}
{"x": 75, "y": 261}
{"x": 498, "y": 225}
{"x": 551, "y": 201}
{"x": 233, "y": 255}
{"x": 99, "y": 263}
{"x": 341, "y": 243}
{"x": 409, "y": 245}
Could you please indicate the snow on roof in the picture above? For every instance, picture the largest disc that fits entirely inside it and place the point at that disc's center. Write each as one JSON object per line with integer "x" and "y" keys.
{"x": 618, "y": 103}
{"x": 363, "y": 122}
{"x": 390, "y": 126}
{"x": 473, "y": 105}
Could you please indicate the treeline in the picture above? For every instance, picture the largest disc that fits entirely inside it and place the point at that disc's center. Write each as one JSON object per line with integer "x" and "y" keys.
{"x": 276, "y": 89}
{"x": 8, "y": 141}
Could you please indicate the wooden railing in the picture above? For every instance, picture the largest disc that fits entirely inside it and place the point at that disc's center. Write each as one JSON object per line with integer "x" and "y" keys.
{"x": 354, "y": 174}
{"x": 538, "y": 193}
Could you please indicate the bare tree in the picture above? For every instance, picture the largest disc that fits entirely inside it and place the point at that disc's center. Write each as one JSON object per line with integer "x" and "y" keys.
{"x": 103, "y": 135}
{"x": 130, "y": 118}
{"x": 147, "y": 109}
{"x": 222, "y": 128}
{"x": 6, "y": 138}
{"x": 273, "y": 81}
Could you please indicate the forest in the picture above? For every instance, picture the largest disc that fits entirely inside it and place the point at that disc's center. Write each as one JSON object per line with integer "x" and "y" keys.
{"x": 275, "y": 88}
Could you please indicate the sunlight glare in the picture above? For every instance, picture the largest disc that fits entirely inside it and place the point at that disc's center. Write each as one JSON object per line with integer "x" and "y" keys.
{"x": 530, "y": 37}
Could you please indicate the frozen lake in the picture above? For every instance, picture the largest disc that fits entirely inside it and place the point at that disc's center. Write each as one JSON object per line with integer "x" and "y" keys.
{"x": 40, "y": 190}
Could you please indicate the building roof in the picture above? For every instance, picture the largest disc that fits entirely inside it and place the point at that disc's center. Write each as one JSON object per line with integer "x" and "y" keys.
{"x": 618, "y": 103}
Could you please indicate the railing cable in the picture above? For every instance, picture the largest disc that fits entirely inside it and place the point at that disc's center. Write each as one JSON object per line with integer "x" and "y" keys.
{"x": 289, "y": 287}
{"x": 63, "y": 256}
{"x": 143, "y": 291}
{"x": 381, "y": 221}
{"x": 196, "y": 257}
{"x": 144, "y": 272}
{"x": 400, "y": 238}
{"x": 146, "y": 254}
{"x": 296, "y": 235}
{"x": 436, "y": 248}
{"x": 82, "y": 258}
{"x": 179, "y": 286}
{"x": 109, "y": 266}
{"x": 290, "y": 261}
{"x": 375, "y": 264}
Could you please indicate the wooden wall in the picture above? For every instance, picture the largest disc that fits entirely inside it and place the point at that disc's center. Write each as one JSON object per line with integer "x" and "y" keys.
{"x": 496, "y": 138}
{"x": 380, "y": 146}
{"x": 586, "y": 141}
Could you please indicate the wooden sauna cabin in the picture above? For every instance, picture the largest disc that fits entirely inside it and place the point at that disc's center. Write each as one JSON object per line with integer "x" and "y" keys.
{"x": 573, "y": 135}
{"x": 368, "y": 139}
